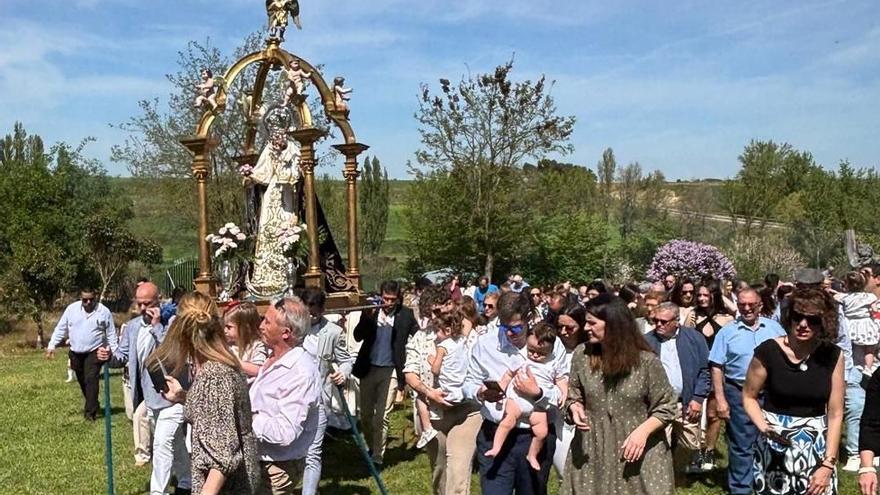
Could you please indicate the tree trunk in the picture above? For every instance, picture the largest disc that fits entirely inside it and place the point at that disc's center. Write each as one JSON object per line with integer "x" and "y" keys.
{"x": 487, "y": 269}
{"x": 40, "y": 335}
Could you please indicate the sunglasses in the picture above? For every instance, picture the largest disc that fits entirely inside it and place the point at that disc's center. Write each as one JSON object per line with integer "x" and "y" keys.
{"x": 812, "y": 320}
{"x": 87, "y": 299}
{"x": 490, "y": 305}
{"x": 514, "y": 329}
{"x": 662, "y": 322}
{"x": 687, "y": 291}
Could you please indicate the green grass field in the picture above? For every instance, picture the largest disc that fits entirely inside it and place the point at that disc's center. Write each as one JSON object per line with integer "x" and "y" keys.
{"x": 46, "y": 447}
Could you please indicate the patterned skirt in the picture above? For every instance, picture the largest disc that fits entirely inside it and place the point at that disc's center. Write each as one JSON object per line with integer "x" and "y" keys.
{"x": 781, "y": 470}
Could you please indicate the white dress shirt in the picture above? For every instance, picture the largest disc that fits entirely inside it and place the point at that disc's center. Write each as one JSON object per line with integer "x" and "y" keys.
{"x": 284, "y": 400}
{"x": 490, "y": 359}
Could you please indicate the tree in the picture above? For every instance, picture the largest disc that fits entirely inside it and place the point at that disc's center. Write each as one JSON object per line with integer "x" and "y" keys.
{"x": 606, "y": 169}
{"x": 442, "y": 230}
{"x": 770, "y": 172}
{"x": 637, "y": 196}
{"x": 113, "y": 247}
{"x": 374, "y": 203}
{"x": 692, "y": 260}
{"x": 476, "y": 135}
{"x": 45, "y": 222}
{"x": 566, "y": 247}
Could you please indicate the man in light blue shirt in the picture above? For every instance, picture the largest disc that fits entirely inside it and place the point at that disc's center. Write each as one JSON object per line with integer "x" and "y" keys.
{"x": 485, "y": 288}
{"x": 89, "y": 326}
{"x": 729, "y": 358}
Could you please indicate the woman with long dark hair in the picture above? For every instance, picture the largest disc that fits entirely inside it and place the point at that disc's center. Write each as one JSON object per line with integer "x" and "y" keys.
{"x": 801, "y": 378}
{"x": 619, "y": 401}
{"x": 708, "y": 316}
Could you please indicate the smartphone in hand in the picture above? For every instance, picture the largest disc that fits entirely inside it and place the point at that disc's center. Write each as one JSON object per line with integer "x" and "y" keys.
{"x": 777, "y": 437}
{"x": 493, "y": 385}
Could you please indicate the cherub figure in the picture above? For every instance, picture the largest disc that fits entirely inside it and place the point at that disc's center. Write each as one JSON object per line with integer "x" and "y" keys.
{"x": 341, "y": 95}
{"x": 296, "y": 82}
{"x": 278, "y": 10}
{"x": 206, "y": 90}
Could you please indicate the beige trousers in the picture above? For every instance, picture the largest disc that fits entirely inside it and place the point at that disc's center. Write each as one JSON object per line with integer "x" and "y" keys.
{"x": 142, "y": 434}
{"x": 688, "y": 435}
{"x": 281, "y": 477}
{"x": 452, "y": 452}
{"x": 377, "y": 390}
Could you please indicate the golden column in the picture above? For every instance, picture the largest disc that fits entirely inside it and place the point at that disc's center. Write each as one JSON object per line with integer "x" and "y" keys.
{"x": 201, "y": 146}
{"x": 306, "y": 138}
{"x": 350, "y": 172}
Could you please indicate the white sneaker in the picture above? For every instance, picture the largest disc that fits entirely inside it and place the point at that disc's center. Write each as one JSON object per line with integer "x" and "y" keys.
{"x": 426, "y": 438}
{"x": 852, "y": 464}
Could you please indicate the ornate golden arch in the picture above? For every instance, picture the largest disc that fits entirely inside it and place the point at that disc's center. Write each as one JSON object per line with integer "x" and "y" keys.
{"x": 201, "y": 144}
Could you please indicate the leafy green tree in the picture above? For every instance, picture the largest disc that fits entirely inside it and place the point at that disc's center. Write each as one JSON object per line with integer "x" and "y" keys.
{"x": 112, "y": 247}
{"x": 475, "y": 136}
{"x": 566, "y": 247}
{"x": 770, "y": 172}
{"x": 606, "y": 169}
{"x": 45, "y": 223}
{"x": 374, "y": 205}
{"x": 551, "y": 187}
{"x": 442, "y": 230}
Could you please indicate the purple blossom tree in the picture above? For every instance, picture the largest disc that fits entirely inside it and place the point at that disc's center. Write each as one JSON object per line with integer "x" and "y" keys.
{"x": 688, "y": 259}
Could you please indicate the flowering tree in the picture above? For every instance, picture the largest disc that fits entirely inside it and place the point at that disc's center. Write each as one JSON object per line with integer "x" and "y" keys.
{"x": 693, "y": 260}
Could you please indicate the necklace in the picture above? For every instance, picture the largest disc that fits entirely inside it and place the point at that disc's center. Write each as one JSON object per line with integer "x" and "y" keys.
{"x": 802, "y": 365}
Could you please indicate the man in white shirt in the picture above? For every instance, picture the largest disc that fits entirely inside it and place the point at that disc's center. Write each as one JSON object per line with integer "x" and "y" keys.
{"x": 285, "y": 396}
{"x": 491, "y": 355}
{"x": 89, "y": 326}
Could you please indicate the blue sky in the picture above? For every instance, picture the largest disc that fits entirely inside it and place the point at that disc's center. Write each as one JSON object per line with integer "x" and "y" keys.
{"x": 678, "y": 86}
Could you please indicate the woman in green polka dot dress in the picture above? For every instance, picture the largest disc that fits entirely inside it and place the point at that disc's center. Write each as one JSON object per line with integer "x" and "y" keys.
{"x": 620, "y": 402}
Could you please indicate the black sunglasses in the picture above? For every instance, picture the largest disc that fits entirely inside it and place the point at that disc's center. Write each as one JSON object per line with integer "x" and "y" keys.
{"x": 812, "y": 320}
{"x": 663, "y": 322}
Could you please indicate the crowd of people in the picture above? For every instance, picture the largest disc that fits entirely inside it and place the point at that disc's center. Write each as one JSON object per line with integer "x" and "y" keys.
{"x": 620, "y": 389}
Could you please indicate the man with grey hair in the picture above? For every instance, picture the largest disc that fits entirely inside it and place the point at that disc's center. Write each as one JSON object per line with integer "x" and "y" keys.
{"x": 731, "y": 354}
{"x": 284, "y": 396}
{"x": 685, "y": 357}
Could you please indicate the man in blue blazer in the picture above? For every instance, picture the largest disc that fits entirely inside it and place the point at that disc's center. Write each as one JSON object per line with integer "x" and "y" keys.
{"x": 685, "y": 357}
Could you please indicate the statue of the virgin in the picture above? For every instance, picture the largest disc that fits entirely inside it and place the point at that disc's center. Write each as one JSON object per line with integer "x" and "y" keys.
{"x": 277, "y": 169}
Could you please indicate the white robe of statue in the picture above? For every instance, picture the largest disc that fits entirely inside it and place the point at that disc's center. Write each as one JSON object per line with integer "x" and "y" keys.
{"x": 277, "y": 169}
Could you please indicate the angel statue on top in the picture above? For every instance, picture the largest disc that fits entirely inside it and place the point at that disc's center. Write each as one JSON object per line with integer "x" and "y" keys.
{"x": 277, "y": 170}
{"x": 278, "y": 10}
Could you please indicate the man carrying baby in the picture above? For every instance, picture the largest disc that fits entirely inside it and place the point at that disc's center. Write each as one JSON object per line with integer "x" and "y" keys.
{"x": 490, "y": 360}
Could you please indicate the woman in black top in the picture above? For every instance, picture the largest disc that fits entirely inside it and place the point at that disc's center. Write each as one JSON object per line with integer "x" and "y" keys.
{"x": 708, "y": 316}
{"x": 869, "y": 436}
{"x": 801, "y": 376}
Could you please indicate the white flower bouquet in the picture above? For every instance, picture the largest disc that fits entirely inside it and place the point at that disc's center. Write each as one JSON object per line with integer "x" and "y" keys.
{"x": 227, "y": 241}
{"x": 291, "y": 238}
